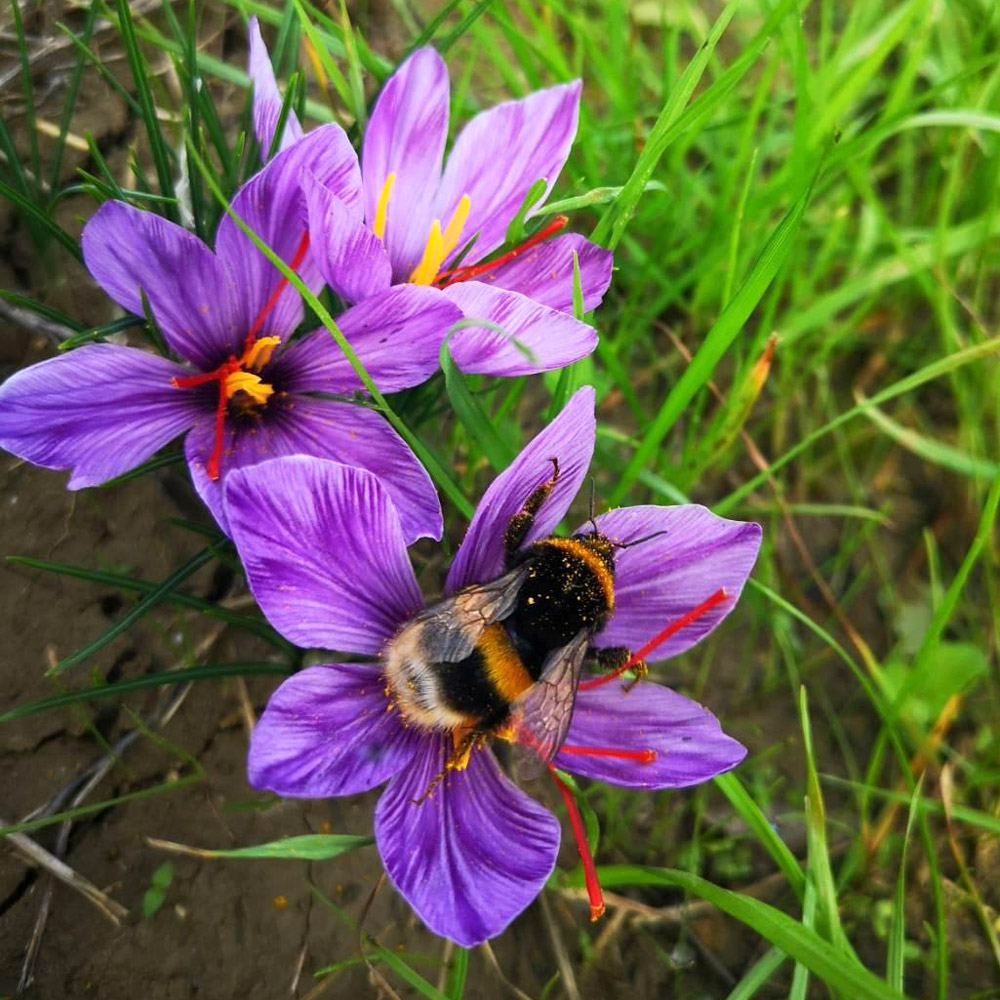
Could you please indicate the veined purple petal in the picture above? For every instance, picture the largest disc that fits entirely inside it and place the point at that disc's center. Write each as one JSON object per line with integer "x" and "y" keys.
{"x": 99, "y": 410}
{"x": 471, "y": 857}
{"x": 545, "y": 273}
{"x": 326, "y": 732}
{"x": 500, "y": 154}
{"x": 267, "y": 100}
{"x": 665, "y": 577}
{"x": 689, "y": 743}
{"x": 273, "y": 204}
{"x": 326, "y": 429}
{"x": 397, "y": 336}
{"x": 323, "y": 552}
{"x": 405, "y": 137}
{"x": 534, "y": 337}
{"x": 349, "y": 255}
{"x": 194, "y": 298}
{"x": 570, "y": 439}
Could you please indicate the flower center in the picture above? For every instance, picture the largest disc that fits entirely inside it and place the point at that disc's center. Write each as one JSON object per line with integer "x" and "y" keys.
{"x": 238, "y": 377}
{"x": 457, "y": 274}
{"x": 441, "y": 243}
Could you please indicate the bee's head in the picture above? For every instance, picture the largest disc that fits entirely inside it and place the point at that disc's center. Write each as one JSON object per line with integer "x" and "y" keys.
{"x": 601, "y": 546}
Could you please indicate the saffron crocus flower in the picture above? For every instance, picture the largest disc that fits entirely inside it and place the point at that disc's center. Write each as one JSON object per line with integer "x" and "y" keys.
{"x": 332, "y": 571}
{"x": 419, "y": 218}
{"x": 242, "y": 393}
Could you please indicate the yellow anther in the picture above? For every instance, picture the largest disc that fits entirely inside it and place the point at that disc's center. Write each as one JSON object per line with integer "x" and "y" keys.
{"x": 440, "y": 245}
{"x": 426, "y": 271}
{"x": 260, "y": 352}
{"x": 455, "y": 225}
{"x": 378, "y": 226}
{"x": 251, "y": 384}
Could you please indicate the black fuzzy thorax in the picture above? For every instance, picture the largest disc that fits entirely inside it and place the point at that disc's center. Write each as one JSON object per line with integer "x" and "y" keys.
{"x": 561, "y": 597}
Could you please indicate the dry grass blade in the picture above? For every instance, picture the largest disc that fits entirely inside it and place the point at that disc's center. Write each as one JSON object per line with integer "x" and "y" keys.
{"x": 37, "y": 855}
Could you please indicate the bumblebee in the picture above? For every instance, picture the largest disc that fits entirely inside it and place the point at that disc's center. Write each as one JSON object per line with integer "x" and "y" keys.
{"x": 503, "y": 658}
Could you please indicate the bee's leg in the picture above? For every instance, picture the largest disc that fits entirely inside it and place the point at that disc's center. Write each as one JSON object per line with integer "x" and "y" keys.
{"x": 612, "y": 658}
{"x": 457, "y": 760}
{"x": 520, "y": 524}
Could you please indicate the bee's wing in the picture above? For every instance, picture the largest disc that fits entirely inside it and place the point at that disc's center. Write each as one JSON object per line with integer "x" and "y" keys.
{"x": 451, "y": 627}
{"x": 542, "y": 714}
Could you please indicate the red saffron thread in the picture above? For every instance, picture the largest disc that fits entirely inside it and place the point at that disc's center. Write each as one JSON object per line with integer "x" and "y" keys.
{"x": 452, "y": 277}
{"x": 233, "y": 364}
{"x": 671, "y": 630}
{"x": 594, "y": 893}
{"x": 642, "y": 756}
{"x": 276, "y": 294}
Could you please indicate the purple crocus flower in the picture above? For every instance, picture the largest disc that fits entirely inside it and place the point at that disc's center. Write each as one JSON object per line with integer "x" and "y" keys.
{"x": 243, "y": 393}
{"x": 419, "y": 218}
{"x": 332, "y": 571}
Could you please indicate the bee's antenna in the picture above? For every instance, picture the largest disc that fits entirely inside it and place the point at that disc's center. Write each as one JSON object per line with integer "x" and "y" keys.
{"x": 592, "y": 521}
{"x": 639, "y": 541}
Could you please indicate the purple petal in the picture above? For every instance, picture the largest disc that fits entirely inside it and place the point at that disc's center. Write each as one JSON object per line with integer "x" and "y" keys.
{"x": 664, "y": 578}
{"x": 323, "y": 552}
{"x": 273, "y": 205}
{"x": 545, "y": 273}
{"x": 326, "y": 732}
{"x": 471, "y": 857}
{"x": 500, "y": 154}
{"x": 405, "y": 137}
{"x": 99, "y": 410}
{"x": 570, "y": 439}
{"x": 194, "y": 298}
{"x": 350, "y": 256}
{"x": 267, "y": 100}
{"x": 534, "y": 337}
{"x": 339, "y": 432}
{"x": 396, "y": 335}
{"x": 689, "y": 743}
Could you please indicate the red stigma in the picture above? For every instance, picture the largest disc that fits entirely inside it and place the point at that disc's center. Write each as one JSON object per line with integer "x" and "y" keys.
{"x": 594, "y": 893}
{"x": 641, "y": 756}
{"x": 276, "y": 294}
{"x": 456, "y": 274}
{"x": 671, "y": 630}
{"x": 233, "y": 364}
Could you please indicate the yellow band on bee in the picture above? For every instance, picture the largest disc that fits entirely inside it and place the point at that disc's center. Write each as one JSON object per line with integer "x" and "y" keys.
{"x": 503, "y": 665}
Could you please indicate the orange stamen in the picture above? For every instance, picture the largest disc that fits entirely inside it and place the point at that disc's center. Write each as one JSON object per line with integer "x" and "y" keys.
{"x": 594, "y": 893}
{"x": 671, "y": 630}
{"x": 446, "y": 278}
{"x": 642, "y": 756}
{"x": 255, "y": 354}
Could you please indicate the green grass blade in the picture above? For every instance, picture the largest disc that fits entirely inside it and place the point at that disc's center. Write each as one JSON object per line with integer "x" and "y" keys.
{"x": 756, "y": 979}
{"x": 147, "y": 106}
{"x": 305, "y": 847}
{"x": 719, "y": 339}
{"x": 458, "y": 971}
{"x": 498, "y": 451}
{"x": 751, "y": 814}
{"x": 145, "y": 587}
{"x": 799, "y": 943}
{"x": 150, "y": 601}
{"x": 183, "y": 676}
{"x": 896, "y": 957}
